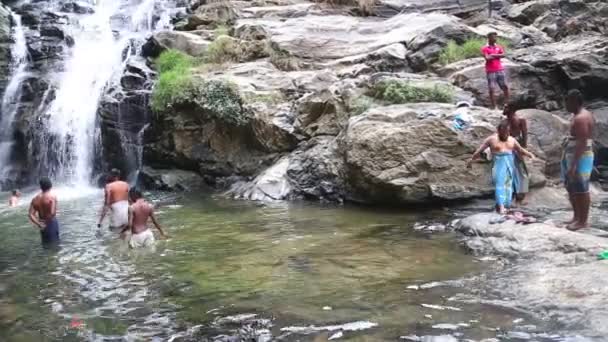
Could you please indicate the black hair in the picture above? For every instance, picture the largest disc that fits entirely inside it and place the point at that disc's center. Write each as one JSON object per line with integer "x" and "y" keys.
{"x": 45, "y": 184}
{"x": 135, "y": 194}
{"x": 577, "y": 95}
{"x": 493, "y": 33}
{"x": 115, "y": 173}
{"x": 15, "y": 192}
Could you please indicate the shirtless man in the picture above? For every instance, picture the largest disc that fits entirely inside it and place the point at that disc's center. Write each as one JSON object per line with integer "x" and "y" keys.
{"x": 116, "y": 199}
{"x": 518, "y": 127}
{"x": 577, "y": 160}
{"x": 13, "y": 201}
{"x": 139, "y": 212}
{"x": 43, "y": 209}
{"x": 502, "y": 146}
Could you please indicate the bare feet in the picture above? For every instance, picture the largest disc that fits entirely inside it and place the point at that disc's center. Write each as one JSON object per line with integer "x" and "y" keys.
{"x": 574, "y": 226}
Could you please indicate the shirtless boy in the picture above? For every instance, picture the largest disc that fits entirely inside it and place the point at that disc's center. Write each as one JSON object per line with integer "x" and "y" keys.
{"x": 43, "y": 209}
{"x": 518, "y": 128}
{"x": 502, "y": 146}
{"x": 13, "y": 201}
{"x": 116, "y": 196}
{"x": 139, "y": 212}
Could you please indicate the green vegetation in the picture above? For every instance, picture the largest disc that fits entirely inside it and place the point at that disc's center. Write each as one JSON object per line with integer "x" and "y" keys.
{"x": 282, "y": 59}
{"x": 221, "y": 30}
{"x": 177, "y": 87}
{"x": 454, "y": 52}
{"x": 397, "y": 91}
{"x": 360, "y": 104}
{"x": 175, "y": 82}
{"x": 221, "y": 100}
{"x": 222, "y": 49}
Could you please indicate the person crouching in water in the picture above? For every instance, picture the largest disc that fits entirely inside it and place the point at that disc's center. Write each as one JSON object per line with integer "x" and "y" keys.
{"x": 518, "y": 129}
{"x": 13, "y": 201}
{"x": 502, "y": 146}
{"x": 139, "y": 213}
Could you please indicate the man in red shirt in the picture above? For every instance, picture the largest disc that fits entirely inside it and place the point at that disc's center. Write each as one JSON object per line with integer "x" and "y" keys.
{"x": 494, "y": 69}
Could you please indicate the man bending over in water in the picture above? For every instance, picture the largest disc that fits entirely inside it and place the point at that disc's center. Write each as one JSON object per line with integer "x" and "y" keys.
{"x": 14, "y": 200}
{"x": 116, "y": 196}
{"x": 42, "y": 213}
{"x": 139, "y": 212}
{"x": 502, "y": 146}
{"x": 577, "y": 160}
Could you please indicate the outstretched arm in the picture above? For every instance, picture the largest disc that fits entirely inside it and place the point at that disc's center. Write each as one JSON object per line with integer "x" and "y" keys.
{"x": 522, "y": 151}
{"x": 106, "y": 205}
{"x": 33, "y": 216}
{"x": 484, "y": 145}
{"x": 162, "y": 233}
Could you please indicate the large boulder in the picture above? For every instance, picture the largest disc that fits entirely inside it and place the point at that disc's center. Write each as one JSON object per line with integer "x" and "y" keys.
{"x": 412, "y": 154}
{"x": 328, "y": 38}
{"x": 169, "y": 180}
{"x": 389, "y": 8}
{"x": 526, "y": 13}
{"x": 560, "y": 19}
{"x": 313, "y": 171}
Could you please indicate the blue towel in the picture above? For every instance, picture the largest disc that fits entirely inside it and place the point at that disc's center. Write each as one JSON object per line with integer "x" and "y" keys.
{"x": 503, "y": 177}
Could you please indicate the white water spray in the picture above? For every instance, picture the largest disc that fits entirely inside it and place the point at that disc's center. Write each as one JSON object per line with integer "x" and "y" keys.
{"x": 96, "y": 61}
{"x": 12, "y": 93}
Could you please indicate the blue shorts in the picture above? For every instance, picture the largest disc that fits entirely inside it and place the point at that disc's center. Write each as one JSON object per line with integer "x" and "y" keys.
{"x": 497, "y": 78}
{"x": 50, "y": 234}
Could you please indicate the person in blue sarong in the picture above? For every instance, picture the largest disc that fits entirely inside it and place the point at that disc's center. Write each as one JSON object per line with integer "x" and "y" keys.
{"x": 504, "y": 178}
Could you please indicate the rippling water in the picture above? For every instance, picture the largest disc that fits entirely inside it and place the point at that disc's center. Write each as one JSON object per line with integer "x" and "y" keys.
{"x": 290, "y": 271}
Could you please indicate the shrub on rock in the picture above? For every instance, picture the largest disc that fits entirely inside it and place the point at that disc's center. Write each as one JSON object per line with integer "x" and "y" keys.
{"x": 399, "y": 92}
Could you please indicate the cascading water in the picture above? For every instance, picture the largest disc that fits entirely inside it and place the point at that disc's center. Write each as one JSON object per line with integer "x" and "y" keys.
{"x": 103, "y": 41}
{"x": 12, "y": 94}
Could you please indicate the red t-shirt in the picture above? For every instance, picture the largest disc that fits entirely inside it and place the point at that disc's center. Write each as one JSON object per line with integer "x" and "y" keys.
{"x": 493, "y": 65}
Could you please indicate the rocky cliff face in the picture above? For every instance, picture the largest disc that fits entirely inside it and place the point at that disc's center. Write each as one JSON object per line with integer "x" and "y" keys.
{"x": 305, "y": 72}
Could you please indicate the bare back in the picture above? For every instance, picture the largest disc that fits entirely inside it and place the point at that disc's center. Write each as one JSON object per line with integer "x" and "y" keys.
{"x": 582, "y": 125}
{"x": 141, "y": 211}
{"x": 45, "y": 204}
{"x": 117, "y": 191}
{"x": 516, "y": 126}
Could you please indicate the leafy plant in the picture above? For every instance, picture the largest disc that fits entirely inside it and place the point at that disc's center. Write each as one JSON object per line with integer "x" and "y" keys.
{"x": 221, "y": 100}
{"x": 453, "y": 52}
{"x": 175, "y": 83}
{"x": 360, "y": 104}
{"x": 396, "y": 92}
{"x": 172, "y": 60}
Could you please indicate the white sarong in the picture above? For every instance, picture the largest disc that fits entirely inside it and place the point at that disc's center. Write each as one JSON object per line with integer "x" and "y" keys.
{"x": 119, "y": 214}
{"x": 143, "y": 239}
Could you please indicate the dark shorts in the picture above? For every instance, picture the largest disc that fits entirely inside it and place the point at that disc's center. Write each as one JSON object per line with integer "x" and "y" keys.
{"x": 578, "y": 185}
{"x": 497, "y": 78}
{"x": 50, "y": 234}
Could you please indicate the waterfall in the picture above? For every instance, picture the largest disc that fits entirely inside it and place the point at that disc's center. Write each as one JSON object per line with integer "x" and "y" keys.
{"x": 12, "y": 94}
{"x": 103, "y": 41}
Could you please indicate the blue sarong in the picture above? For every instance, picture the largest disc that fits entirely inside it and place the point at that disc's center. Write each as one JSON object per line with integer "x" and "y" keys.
{"x": 580, "y": 183}
{"x": 503, "y": 178}
{"x": 50, "y": 233}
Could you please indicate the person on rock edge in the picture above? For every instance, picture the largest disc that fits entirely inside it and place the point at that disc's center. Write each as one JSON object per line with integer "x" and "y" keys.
{"x": 495, "y": 72}
{"x": 577, "y": 160}
{"x": 502, "y": 145}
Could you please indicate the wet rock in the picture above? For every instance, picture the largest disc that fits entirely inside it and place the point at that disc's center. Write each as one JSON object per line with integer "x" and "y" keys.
{"x": 169, "y": 180}
{"x": 393, "y": 157}
{"x": 77, "y": 7}
{"x": 215, "y": 13}
{"x": 558, "y": 274}
{"x": 285, "y": 11}
{"x": 5, "y": 46}
{"x": 187, "y": 42}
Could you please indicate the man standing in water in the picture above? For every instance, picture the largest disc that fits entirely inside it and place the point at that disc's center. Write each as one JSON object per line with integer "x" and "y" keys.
{"x": 518, "y": 128}
{"x": 116, "y": 196}
{"x": 577, "y": 160}
{"x": 43, "y": 209}
{"x": 495, "y": 72}
{"x": 139, "y": 212}
{"x": 13, "y": 201}
{"x": 502, "y": 146}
